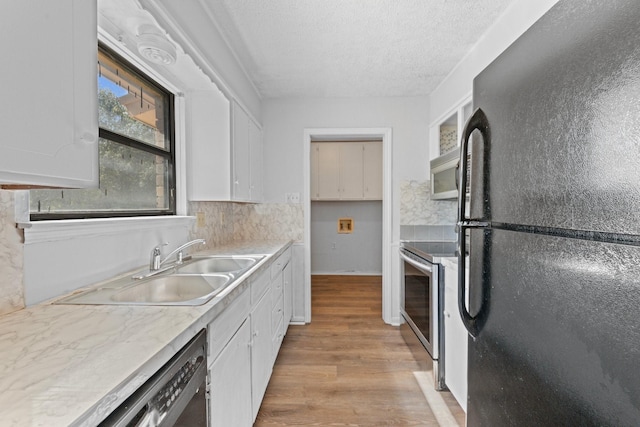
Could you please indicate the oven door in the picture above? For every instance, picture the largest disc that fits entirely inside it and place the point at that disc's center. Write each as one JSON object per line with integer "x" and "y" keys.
{"x": 420, "y": 302}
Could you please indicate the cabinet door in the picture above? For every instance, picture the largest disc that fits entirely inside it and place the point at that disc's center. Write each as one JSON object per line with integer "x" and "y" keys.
{"x": 261, "y": 349}
{"x": 287, "y": 277}
{"x": 256, "y": 156}
{"x": 455, "y": 339}
{"x": 351, "y": 171}
{"x": 49, "y": 114}
{"x": 241, "y": 160}
{"x": 328, "y": 171}
{"x": 208, "y": 146}
{"x": 314, "y": 165}
{"x": 373, "y": 170}
{"x": 230, "y": 382}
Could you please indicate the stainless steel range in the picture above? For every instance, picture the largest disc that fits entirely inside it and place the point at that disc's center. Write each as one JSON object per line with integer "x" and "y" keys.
{"x": 423, "y": 299}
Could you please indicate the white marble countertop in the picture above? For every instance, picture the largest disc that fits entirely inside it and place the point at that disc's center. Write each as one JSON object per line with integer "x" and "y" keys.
{"x": 64, "y": 365}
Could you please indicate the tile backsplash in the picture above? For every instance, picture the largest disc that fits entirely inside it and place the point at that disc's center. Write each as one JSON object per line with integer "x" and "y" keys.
{"x": 417, "y": 208}
{"x": 11, "y": 257}
{"x": 225, "y": 222}
{"x": 429, "y": 233}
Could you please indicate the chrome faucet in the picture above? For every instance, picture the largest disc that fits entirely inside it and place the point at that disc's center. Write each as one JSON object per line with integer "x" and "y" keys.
{"x": 156, "y": 262}
{"x": 178, "y": 252}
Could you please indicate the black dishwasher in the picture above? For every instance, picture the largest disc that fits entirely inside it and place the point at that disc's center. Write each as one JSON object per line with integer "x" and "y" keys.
{"x": 176, "y": 395}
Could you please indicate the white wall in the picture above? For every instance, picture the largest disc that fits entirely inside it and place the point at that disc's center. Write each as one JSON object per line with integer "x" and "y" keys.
{"x": 359, "y": 252}
{"x": 458, "y": 84}
{"x": 285, "y": 119}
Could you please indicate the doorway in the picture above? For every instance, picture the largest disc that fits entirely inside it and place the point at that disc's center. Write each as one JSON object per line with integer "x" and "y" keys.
{"x": 351, "y": 134}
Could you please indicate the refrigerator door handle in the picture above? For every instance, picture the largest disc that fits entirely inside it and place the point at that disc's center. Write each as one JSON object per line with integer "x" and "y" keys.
{"x": 477, "y": 121}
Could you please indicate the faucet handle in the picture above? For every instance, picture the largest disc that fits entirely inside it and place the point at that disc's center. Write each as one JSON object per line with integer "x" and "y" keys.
{"x": 154, "y": 263}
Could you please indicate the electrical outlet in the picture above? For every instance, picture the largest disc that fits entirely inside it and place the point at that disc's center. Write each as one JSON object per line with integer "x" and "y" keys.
{"x": 292, "y": 197}
{"x": 200, "y": 222}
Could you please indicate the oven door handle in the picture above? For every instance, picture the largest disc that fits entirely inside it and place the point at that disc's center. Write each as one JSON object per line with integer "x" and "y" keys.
{"x": 416, "y": 264}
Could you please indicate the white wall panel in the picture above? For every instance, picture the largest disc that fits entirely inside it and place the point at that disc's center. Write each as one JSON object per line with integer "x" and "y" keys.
{"x": 357, "y": 253}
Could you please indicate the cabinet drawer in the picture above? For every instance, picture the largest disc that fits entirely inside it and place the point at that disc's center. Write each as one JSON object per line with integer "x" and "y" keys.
{"x": 226, "y": 324}
{"x": 280, "y": 262}
{"x": 259, "y": 286}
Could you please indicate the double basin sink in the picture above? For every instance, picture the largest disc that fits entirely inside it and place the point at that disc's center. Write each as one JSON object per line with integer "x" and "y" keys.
{"x": 193, "y": 282}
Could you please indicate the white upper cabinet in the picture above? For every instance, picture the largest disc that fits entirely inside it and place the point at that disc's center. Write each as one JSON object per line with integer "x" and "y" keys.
{"x": 256, "y": 163}
{"x": 445, "y": 133}
{"x": 49, "y": 116}
{"x": 241, "y": 161}
{"x": 247, "y": 157}
{"x": 224, "y": 150}
{"x": 208, "y": 146}
{"x": 346, "y": 170}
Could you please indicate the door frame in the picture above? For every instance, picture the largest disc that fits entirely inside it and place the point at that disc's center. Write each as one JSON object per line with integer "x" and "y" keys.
{"x": 345, "y": 134}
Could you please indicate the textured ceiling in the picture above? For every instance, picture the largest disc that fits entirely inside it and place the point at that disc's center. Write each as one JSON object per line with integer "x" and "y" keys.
{"x": 348, "y": 48}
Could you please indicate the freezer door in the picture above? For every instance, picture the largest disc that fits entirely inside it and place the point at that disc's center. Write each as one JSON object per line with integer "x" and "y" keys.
{"x": 563, "y": 104}
{"x": 560, "y": 340}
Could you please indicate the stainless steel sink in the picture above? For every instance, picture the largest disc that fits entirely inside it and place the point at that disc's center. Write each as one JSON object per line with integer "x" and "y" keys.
{"x": 173, "y": 289}
{"x": 193, "y": 283}
{"x": 218, "y": 264}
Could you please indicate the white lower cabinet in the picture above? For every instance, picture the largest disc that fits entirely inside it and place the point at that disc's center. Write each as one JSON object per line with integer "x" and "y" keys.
{"x": 261, "y": 350}
{"x": 230, "y": 382}
{"x": 243, "y": 344}
{"x": 287, "y": 277}
{"x": 455, "y": 337}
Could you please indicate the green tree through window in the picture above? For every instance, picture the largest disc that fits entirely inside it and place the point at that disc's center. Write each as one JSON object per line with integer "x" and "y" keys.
{"x": 135, "y": 151}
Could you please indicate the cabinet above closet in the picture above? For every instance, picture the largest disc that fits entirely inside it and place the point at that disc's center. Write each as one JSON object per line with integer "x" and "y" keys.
{"x": 346, "y": 170}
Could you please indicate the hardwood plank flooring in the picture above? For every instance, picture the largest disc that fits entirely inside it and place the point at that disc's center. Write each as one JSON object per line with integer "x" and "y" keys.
{"x": 347, "y": 367}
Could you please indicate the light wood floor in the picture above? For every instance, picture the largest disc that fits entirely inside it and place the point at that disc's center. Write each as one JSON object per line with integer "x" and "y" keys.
{"x": 347, "y": 367}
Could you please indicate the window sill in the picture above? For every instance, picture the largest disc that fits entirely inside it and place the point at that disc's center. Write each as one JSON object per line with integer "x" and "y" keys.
{"x": 52, "y": 231}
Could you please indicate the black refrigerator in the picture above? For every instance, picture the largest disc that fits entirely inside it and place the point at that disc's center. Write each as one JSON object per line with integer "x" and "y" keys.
{"x": 552, "y": 231}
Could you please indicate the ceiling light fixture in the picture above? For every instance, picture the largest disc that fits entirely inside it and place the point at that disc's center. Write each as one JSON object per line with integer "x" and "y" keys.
{"x": 154, "y": 46}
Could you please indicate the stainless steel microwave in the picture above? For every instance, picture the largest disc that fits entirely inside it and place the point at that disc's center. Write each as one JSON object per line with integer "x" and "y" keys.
{"x": 444, "y": 170}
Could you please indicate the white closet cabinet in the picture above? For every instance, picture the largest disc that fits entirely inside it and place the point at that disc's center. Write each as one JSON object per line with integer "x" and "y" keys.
{"x": 49, "y": 117}
{"x": 372, "y": 170}
{"x": 325, "y": 171}
{"x": 346, "y": 170}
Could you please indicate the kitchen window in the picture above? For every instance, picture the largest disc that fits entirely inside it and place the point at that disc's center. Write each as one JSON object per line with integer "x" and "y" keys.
{"x": 136, "y": 151}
